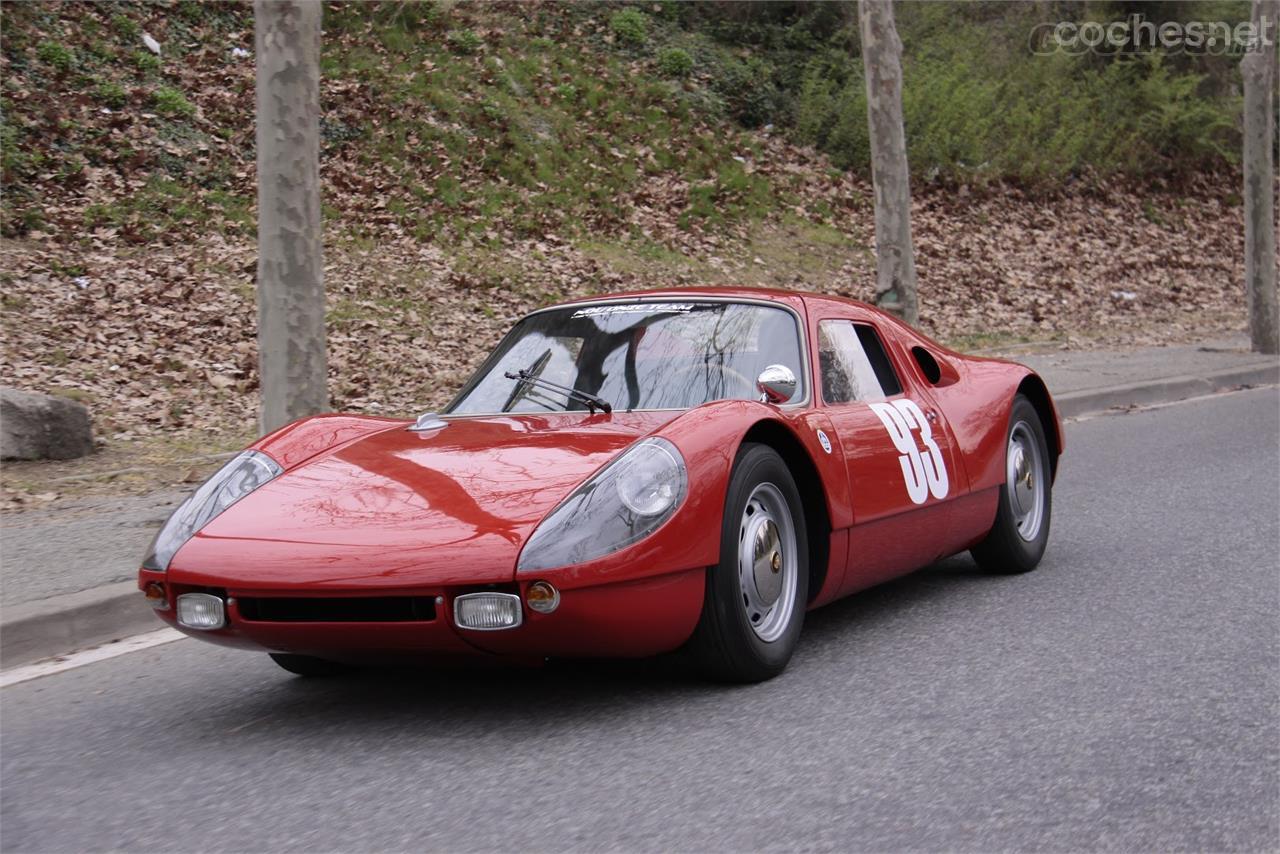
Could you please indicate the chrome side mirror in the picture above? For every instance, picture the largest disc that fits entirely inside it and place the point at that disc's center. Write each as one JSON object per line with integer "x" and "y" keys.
{"x": 777, "y": 384}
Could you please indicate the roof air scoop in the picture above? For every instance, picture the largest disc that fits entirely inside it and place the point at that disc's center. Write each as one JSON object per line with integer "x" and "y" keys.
{"x": 428, "y": 421}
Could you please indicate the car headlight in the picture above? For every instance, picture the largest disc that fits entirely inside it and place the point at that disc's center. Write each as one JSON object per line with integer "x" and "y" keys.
{"x": 228, "y": 485}
{"x": 624, "y": 502}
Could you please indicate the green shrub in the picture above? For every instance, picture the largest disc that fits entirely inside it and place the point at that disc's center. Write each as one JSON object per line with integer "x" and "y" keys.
{"x": 1178, "y": 121}
{"x": 171, "y": 102}
{"x": 100, "y": 50}
{"x": 146, "y": 61}
{"x": 749, "y": 90}
{"x": 111, "y": 94}
{"x": 1035, "y": 119}
{"x": 193, "y": 12}
{"x": 630, "y": 26}
{"x": 671, "y": 10}
{"x": 15, "y": 161}
{"x": 952, "y": 117}
{"x": 675, "y": 62}
{"x": 823, "y": 84}
{"x": 977, "y": 104}
{"x": 125, "y": 26}
{"x": 58, "y": 55}
{"x": 464, "y": 41}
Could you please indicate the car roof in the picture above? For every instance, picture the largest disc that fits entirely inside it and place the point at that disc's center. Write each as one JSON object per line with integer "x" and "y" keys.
{"x": 813, "y": 302}
{"x": 724, "y": 291}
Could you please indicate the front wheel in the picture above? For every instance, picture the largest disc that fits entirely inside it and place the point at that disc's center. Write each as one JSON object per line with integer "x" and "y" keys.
{"x": 1021, "y": 531}
{"x": 755, "y": 597}
{"x": 307, "y": 665}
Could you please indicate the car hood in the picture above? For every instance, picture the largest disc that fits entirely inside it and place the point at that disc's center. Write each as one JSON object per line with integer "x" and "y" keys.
{"x": 449, "y": 506}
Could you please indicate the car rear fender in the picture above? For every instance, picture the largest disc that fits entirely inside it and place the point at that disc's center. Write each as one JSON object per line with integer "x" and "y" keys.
{"x": 977, "y": 410}
{"x": 1032, "y": 387}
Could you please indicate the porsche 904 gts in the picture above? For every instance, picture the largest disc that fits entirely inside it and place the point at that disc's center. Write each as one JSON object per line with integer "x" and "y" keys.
{"x": 623, "y": 476}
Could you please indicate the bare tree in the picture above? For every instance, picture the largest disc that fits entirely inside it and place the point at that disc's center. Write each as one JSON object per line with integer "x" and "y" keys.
{"x": 291, "y": 332}
{"x": 1261, "y": 84}
{"x": 882, "y": 64}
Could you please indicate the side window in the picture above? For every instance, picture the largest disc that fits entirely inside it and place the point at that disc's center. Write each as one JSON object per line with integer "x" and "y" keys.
{"x": 879, "y": 359}
{"x": 853, "y": 363}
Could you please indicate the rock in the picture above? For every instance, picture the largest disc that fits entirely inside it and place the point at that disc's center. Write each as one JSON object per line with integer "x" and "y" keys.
{"x": 41, "y": 427}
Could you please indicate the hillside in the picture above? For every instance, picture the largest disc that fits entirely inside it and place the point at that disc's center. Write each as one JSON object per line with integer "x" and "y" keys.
{"x": 480, "y": 160}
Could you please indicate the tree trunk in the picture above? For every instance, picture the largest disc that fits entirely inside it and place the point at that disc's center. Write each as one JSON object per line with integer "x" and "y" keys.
{"x": 291, "y": 333}
{"x": 882, "y": 64}
{"x": 1261, "y": 83}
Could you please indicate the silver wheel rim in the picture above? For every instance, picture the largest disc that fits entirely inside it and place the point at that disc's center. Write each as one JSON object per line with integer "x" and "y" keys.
{"x": 768, "y": 566}
{"x": 1025, "y": 481}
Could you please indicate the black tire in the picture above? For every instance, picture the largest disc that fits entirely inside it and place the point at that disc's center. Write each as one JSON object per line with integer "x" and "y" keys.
{"x": 725, "y": 644}
{"x": 306, "y": 665}
{"x": 1005, "y": 550}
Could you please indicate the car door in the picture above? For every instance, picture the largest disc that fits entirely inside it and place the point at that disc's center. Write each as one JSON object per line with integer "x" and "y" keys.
{"x": 898, "y": 453}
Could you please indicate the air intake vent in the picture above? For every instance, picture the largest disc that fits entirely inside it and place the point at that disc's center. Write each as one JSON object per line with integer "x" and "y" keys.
{"x": 356, "y": 609}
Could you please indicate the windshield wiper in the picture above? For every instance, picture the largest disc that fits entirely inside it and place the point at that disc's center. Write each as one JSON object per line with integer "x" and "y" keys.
{"x": 592, "y": 401}
{"x": 520, "y": 389}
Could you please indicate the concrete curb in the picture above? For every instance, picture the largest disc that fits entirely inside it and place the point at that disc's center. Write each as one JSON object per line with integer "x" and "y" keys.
{"x": 61, "y": 624}
{"x": 57, "y": 625}
{"x": 1164, "y": 390}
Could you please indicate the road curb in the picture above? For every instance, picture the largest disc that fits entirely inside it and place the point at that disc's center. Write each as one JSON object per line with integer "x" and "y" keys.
{"x": 1164, "y": 390}
{"x": 58, "y": 625}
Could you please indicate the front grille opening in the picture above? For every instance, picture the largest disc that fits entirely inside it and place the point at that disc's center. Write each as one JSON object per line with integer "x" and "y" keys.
{"x": 355, "y": 609}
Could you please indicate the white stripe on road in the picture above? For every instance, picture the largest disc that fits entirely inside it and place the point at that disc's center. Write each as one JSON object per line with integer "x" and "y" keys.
{"x": 88, "y": 656}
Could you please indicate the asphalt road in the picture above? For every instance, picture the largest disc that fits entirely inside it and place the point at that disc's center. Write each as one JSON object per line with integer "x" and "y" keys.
{"x": 1123, "y": 696}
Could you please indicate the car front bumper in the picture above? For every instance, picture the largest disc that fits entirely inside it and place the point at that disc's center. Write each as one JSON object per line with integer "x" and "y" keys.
{"x": 622, "y": 619}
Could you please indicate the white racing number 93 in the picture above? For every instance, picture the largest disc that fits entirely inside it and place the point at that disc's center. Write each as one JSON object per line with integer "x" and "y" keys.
{"x": 925, "y": 474}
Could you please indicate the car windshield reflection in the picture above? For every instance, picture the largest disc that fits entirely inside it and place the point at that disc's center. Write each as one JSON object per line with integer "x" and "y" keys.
{"x": 639, "y": 355}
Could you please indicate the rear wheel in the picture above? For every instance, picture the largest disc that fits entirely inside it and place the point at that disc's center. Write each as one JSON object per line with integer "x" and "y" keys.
{"x": 1021, "y": 531}
{"x": 307, "y": 665}
{"x": 755, "y": 597}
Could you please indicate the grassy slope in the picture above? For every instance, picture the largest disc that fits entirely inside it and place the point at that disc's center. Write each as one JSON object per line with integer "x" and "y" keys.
{"x": 478, "y": 161}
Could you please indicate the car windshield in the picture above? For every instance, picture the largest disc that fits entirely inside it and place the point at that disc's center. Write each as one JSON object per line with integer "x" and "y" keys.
{"x": 637, "y": 355}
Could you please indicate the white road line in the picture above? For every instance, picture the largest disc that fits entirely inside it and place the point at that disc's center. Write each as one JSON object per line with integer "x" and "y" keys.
{"x": 88, "y": 656}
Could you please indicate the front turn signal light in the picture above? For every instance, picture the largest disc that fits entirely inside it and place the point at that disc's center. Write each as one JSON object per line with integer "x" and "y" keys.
{"x": 542, "y": 597}
{"x": 155, "y": 594}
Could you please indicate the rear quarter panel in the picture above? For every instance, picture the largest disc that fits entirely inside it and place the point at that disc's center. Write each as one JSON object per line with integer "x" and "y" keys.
{"x": 977, "y": 407}
{"x": 975, "y": 396}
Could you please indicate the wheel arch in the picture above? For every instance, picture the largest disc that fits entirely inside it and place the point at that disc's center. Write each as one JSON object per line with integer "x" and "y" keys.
{"x": 1034, "y": 390}
{"x": 779, "y": 437}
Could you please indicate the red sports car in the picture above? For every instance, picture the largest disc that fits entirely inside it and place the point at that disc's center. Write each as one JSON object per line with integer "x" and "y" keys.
{"x": 624, "y": 476}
